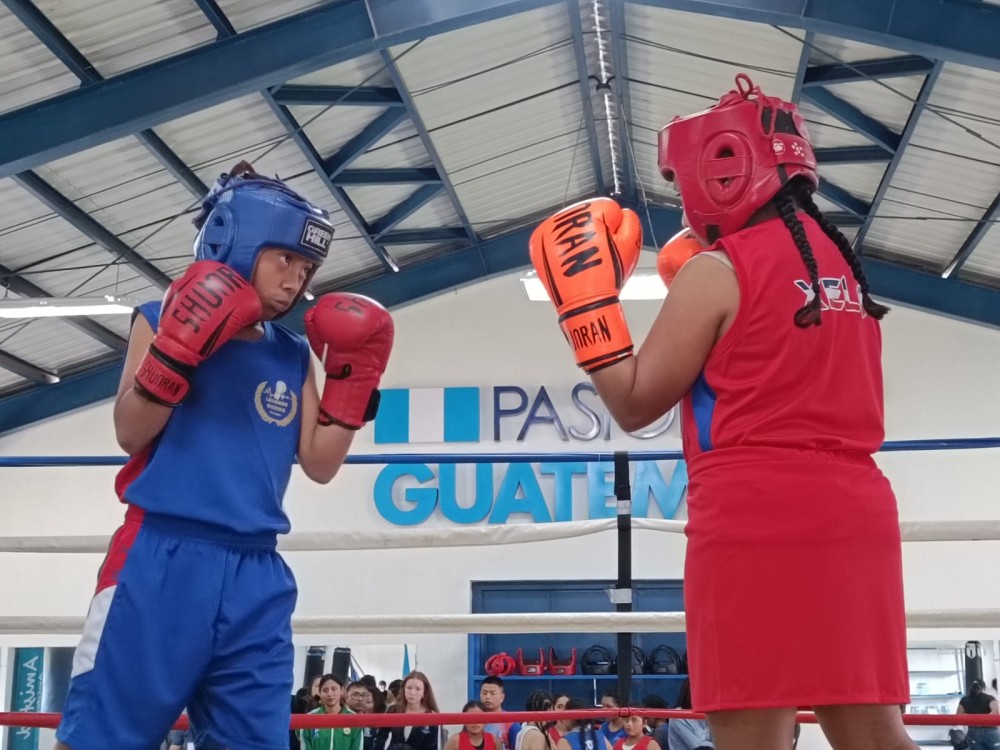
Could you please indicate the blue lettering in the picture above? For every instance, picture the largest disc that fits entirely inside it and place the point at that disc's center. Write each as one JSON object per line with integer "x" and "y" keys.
{"x": 480, "y": 507}
{"x": 520, "y": 479}
{"x": 648, "y": 480}
{"x": 499, "y": 412}
{"x": 423, "y": 499}
{"x": 675, "y": 491}
{"x": 552, "y": 418}
{"x": 601, "y": 486}
{"x": 564, "y": 473}
{"x": 593, "y": 417}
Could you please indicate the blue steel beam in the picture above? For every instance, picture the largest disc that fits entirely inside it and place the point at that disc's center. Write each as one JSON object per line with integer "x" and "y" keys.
{"x": 803, "y": 66}
{"x": 580, "y": 50}
{"x": 863, "y": 70}
{"x": 418, "y": 281}
{"x": 307, "y": 148}
{"x": 26, "y": 370}
{"x": 86, "y": 225}
{"x": 295, "y": 131}
{"x": 392, "y": 176}
{"x": 425, "y": 137}
{"x": 183, "y": 84}
{"x": 853, "y": 155}
{"x": 853, "y": 117}
{"x": 968, "y": 247}
{"x": 372, "y": 133}
{"x": 960, "y": 32}
{"x": 499, "y": 255}
{"x": 904, "y": 139}
{"x": 49, "y": 35}
{"x": 422, "y": 236}
{"x": 404, "y": 208}
{"x": 619, "y": 54}
{"x": 346, "y": 95}
{"x": 399, "y": 21}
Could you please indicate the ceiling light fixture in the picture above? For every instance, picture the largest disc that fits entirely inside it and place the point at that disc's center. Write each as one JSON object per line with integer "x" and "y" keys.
{"x": 56, "y": 307}
{"x": 640, "y": 286}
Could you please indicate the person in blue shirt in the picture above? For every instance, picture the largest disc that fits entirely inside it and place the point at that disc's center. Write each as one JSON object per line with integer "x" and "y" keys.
{"x": 215, "y": 404}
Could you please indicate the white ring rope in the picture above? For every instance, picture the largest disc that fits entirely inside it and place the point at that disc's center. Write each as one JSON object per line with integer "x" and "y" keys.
{"x": 475, "y": 536}
{"x": 549, "y": 622}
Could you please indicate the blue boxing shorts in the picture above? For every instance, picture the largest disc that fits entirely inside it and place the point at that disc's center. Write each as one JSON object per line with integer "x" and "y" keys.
{"x": 191, "y": 615}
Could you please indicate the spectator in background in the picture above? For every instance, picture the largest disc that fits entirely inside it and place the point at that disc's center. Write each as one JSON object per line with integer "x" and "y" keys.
{"x": 658, "y": 727}
{"x": 416, "y": 697}
{"x": 534, "y": 734}
{"x": 978, "y": 701}
{"x": 558, "y": 704}
{"x": 491, "y": 695}
{"x": 331, "y": 702}
{"x": 688, "y": 734}
{"x": 578, "y": 734}
{"x": 361, "y": 700}
{"x": 635, "y": 735}
{"x": 392, "y": 693}
{"x": 473, "y": 736}
{"x": 614, "y": 728}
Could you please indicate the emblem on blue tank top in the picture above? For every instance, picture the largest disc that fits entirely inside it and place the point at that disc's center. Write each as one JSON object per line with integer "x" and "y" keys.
{"x": 276, "y": 403}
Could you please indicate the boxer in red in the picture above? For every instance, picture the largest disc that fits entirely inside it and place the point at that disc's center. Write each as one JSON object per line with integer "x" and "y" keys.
{"x": 769, "y": 337}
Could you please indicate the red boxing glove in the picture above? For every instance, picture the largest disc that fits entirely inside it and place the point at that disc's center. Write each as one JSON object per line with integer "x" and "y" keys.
{"x": 677, "y": 251}
{"x": 201, "y": 311}
{"x": 352, "y": 336}
{"x": 583, "y": 255}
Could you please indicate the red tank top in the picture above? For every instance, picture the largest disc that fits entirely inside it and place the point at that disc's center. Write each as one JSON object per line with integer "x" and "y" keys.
{"x": 770, "y": 384}
{"x": 489, "y": 742}
{"x": 640, "y": 745}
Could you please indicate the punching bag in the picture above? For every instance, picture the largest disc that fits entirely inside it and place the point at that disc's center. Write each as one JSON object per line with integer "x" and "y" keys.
{"x": 315, "y": 663}
{"x": 973, "y": 664}
{"x": 341, "y": 664}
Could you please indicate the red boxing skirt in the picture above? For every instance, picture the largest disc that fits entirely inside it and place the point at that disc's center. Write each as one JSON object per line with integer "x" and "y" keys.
{"x": 793, "y": 583}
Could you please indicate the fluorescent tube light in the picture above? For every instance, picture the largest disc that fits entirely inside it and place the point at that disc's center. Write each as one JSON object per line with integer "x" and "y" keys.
{"x": 56, "y": 307}
{"x": 640, "y": 286}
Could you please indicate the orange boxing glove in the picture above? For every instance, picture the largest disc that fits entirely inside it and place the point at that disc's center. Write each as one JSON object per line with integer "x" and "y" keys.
{"x": 583, "y": 255}
{"x": 675, "y": 253}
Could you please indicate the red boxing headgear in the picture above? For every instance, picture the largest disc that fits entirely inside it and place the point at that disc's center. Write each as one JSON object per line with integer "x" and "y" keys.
{"x": 731, "y": 159}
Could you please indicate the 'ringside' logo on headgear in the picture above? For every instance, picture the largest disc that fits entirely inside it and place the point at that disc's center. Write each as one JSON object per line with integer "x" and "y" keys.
{"x": 316, "y": 237}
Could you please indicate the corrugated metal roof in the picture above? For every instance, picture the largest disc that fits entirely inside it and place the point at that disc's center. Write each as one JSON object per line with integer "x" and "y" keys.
{"x": 404, "y": 254}
{"x": 28, "y": 71}
{"x": 366, "y": 70}
{"x": 511, "y": 151}
{"x": 402, "y": 147}
{"x": 439, "y": 211}
{"x": 119, "y": 35}
{"x": 985, "y": 261}
{"x": 9, "y": 382}
{"x": 968, "y": 97}
{"x": 889, "y": 102}
{"x": 860, "y": 180}
{"x": 50, "y": 344}
{"x": 373, "y": 201}
{"x": 826, "y": 50}
{"x": 828, "y": 132}
{"x": 31, "y": 232}
{"x": 246, "y": 14}
{"x": 330, "y": 128}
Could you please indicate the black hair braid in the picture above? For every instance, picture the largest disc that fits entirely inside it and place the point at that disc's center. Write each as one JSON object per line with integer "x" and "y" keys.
{"x": 830, "y": 229}
{"x": 809, "y": 313}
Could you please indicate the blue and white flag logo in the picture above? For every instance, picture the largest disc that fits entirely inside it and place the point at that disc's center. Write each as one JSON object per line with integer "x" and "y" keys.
{"x": 428, "y": 415}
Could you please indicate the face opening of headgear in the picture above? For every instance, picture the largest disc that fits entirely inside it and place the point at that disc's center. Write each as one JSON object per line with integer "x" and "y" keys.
{"x": 246, "y": 213}
{"x": 731, "y": 159}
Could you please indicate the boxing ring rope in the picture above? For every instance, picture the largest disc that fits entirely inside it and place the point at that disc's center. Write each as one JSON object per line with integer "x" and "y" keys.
{"x": 325, "y": 721}
{"x": 624, "y": 622}
{"x": 494, "y": 623}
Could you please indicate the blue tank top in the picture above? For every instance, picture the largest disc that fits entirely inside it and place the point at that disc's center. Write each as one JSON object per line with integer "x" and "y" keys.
{"x": 577, "y": 741}
{"x": 226, "y": 453}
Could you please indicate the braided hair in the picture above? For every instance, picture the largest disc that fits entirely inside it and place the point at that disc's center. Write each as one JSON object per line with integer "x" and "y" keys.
{"x": 540, "y": 700}
{"x": 586, "y": 727}
{"x": 796, "y": 194}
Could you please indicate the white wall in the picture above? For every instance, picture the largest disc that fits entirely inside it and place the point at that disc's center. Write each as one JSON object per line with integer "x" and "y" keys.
{"x": 940, "y": 377}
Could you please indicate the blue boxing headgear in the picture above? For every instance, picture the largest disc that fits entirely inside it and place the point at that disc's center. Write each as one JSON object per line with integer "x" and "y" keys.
{"x": 245, "y": 213}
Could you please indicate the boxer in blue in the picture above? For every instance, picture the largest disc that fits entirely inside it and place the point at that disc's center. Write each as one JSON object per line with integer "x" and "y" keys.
{"x": 216, "y": 401}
